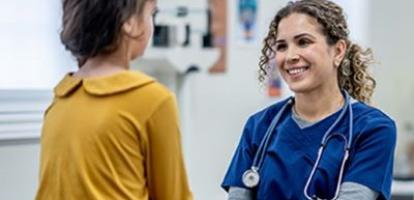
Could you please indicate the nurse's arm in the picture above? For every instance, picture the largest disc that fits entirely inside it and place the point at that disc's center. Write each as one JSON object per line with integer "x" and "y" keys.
{"x": 238, "y": 193}
{"x": 352, "y": 191}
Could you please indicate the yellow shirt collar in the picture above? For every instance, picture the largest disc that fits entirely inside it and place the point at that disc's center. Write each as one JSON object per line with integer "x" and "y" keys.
{"x": 105, "y": 85}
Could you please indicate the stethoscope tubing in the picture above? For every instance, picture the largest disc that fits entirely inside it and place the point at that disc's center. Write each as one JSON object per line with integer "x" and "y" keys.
{"x": 258, "y": 160}
{"x": 261, "y": 151}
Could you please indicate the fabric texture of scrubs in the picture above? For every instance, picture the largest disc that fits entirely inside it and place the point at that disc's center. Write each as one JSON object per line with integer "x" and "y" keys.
{"x": 292, "y": 152}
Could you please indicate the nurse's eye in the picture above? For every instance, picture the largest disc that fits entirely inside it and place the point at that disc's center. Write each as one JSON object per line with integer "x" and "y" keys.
{"x": 304, "y": 42}
{"x": 281, "y": 47}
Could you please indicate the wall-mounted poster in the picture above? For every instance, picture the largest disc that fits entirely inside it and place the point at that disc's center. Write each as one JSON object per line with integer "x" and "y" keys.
{"x": 274, "y": 87}
{"x": 219, "y": 30}
{"x": 247, "y": 21}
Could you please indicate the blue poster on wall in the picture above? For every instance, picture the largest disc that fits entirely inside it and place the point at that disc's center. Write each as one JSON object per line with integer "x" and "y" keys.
{"x": 247, "y": 20}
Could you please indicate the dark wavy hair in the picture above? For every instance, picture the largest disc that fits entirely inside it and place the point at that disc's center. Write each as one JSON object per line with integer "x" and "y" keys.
{"x": 353, "y": 75}
{"x": 93, "y": 27}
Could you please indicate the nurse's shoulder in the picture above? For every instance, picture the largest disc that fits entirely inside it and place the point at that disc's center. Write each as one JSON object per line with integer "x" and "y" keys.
{"x": 364, "y": 113}
{"x": 372, "y": 122}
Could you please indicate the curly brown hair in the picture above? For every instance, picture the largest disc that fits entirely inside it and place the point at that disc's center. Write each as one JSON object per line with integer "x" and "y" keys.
{"x": 353, "y": 75}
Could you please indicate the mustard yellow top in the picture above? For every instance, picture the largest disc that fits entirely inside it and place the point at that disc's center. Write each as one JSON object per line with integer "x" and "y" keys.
{"x": 112, "y": 138}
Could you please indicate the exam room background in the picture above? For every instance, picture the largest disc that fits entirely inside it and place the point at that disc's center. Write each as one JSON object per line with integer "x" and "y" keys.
{"x": 32, "y": 58}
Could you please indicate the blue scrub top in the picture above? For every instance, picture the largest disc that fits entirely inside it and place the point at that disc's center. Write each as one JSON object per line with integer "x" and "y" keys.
{"x": 292, "y": 152}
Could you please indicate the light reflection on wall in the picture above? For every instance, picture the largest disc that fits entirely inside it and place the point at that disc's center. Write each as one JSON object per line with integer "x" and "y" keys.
{"x": 31, "y": 54}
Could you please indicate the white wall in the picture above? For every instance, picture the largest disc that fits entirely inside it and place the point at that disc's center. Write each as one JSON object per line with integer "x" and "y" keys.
{"x": 31, "y": 58}
{"x": 358, "y": 16}
{"x": 391, "y": 37}
{"x": 31, "y": 54}
{"x": 18, "y": 170}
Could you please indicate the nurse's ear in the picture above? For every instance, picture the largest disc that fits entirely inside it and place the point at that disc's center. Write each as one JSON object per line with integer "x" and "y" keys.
{"x": 340, "y": 51}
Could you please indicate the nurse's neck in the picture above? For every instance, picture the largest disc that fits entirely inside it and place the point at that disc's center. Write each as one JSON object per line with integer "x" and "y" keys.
{"x": 317, "y": 105}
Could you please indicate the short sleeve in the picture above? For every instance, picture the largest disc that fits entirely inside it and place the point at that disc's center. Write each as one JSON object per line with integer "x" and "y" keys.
{"x": 242, "y": 159}
{"x": 371, "y": 162}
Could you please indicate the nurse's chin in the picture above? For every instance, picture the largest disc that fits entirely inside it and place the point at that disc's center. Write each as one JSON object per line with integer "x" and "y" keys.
{"x": 300, "y": 88}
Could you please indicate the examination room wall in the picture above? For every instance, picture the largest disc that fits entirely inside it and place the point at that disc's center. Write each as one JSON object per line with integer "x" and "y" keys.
{"x": 391, "y": 37}
{"x": 220, "y": 103}
{"x": 31, "y": 57}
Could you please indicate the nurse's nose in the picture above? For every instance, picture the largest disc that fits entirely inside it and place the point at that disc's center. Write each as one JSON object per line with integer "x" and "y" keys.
{"x": 292, "y": 56}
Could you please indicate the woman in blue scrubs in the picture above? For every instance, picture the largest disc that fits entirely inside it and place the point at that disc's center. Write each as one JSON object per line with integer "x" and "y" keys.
{"x": 326, "y": 142}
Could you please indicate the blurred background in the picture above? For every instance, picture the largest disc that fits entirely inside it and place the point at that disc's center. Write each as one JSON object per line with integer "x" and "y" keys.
{"x": 207, "y": 52}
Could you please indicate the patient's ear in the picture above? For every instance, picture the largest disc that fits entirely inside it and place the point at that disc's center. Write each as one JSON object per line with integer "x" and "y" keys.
{"x": 131, "y": 27}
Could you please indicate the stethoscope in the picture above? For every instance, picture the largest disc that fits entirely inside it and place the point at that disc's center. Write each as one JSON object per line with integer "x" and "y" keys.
{"x": 251, "y": 177}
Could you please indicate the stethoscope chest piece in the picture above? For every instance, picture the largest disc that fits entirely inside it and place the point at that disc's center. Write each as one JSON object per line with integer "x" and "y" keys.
{"x": 251, "y": 178}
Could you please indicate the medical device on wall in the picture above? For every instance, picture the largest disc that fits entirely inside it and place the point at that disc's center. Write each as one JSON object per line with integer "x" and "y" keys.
{"x": 181, "y": 40}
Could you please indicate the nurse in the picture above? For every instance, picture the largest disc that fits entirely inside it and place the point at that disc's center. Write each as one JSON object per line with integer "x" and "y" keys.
{"x": 326, "y": 142}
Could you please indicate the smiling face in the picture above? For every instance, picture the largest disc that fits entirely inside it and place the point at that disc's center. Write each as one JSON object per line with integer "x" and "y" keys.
{"x": 303, "y": 56}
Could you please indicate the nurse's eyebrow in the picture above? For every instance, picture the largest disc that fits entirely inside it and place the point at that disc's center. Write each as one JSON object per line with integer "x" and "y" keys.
{"x": 280, "y": 41}
{"x": 303, "y": 35}
{"x": 296, "y": 37}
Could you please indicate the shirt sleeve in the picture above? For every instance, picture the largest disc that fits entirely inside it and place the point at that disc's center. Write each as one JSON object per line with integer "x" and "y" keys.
{"x": 242, "y": 159}
{"x": 371, "y": 162}
{"x": 236, "y": 193}
{"x": 352, "y": 191}
{"x": 167, "y": 178}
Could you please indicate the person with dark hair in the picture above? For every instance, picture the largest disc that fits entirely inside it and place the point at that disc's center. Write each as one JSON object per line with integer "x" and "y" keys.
{"x": 110, "y": 133}
{"x": 325, "y": 142}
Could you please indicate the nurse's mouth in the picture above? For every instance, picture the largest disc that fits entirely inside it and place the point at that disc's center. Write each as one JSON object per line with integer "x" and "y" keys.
{"x": 297, "y": 71}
